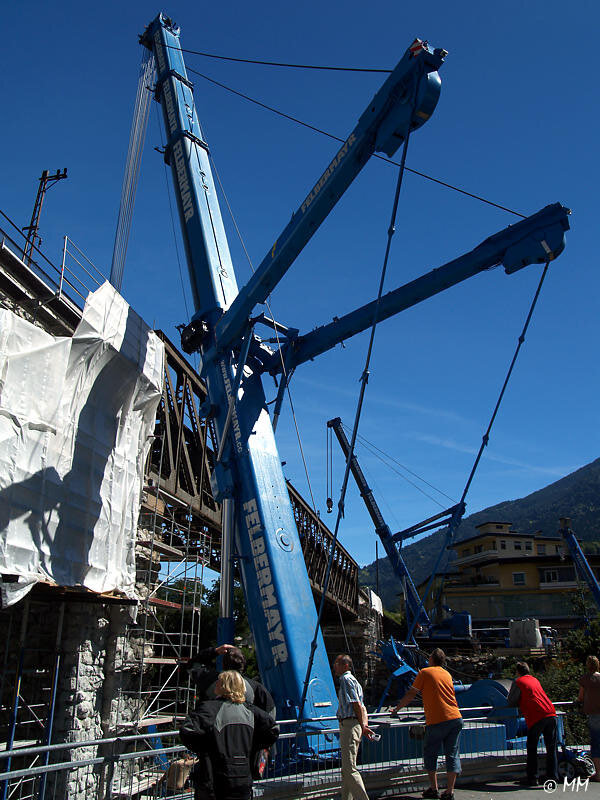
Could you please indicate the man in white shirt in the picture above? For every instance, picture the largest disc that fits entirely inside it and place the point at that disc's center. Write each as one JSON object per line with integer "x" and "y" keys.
{"x": 354, "y": 724}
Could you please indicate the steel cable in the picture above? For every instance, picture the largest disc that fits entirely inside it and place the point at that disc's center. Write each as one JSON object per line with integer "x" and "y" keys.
{"x": 137, "y": 136}
{"x": 338, "y": 139}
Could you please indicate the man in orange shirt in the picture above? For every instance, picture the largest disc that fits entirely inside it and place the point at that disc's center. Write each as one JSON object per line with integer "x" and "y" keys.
{"x": 443, "y": 722}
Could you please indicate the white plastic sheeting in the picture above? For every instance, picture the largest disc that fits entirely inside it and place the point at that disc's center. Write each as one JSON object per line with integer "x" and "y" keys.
{"x": 376, "y": 603}
{"x": 76, "y": 417}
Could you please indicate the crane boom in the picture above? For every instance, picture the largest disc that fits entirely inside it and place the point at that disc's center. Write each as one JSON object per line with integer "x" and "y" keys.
{"x": 534, "y": 240}
{"x": 414, "y": 607}
{"x": 405, "y": 102}
{"x": 579, "y": 559}
{"x": 248, "y": 477}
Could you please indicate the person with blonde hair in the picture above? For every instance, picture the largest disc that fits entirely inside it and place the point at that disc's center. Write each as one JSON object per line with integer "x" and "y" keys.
{"x": 231, "y": 686}
{"x": 226, "y": 732}
{"x": 589, "y": 695}
{"x": 203, "y": 674}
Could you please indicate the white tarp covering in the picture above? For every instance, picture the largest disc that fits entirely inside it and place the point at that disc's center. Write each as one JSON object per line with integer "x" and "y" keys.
{"x": 376, "y": 603}
{"x": 76, "y": 417}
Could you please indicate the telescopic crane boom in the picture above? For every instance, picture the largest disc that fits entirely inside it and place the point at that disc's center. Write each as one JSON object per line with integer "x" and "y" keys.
{"x": 581, "y": 563}
{"x": 258, "y": 522}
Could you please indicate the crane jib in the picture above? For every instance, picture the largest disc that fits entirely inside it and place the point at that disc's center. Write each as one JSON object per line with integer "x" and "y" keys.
{"x": 339, "y": 157}
{"x": 413, "y": 85}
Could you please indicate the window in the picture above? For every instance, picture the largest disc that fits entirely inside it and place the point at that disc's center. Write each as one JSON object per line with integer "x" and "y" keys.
{"x": 519, "y": 578}
{"x": 550, "y": 576}
{"x": 518, "y": 545}
{"x": 466, "y": 552}
{"x": 502, "y": 544}
{"x": 541, "y": 548}
{"x": 557, "y": 548}
{"x": 529, "y": 546}
{"x": 499, "y": 527}
{"x": 478, "y": 548}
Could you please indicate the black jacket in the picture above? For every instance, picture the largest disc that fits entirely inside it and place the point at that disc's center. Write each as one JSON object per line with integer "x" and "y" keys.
{"x": 204, "y": 675}
{"x": 230, "y": 734}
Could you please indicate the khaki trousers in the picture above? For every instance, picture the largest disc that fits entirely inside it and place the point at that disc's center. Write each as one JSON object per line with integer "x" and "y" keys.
{"x": 353, "y": 787}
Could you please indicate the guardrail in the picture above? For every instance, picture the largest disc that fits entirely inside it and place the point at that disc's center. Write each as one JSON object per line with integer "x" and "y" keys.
{"x": 76, "y": 276}
{"x": 154, "y": 764}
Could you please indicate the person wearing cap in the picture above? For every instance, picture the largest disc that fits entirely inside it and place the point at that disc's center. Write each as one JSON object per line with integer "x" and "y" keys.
{"x": 203, "y": 673}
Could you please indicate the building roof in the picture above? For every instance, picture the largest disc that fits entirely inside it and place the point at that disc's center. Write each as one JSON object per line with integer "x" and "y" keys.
{"x": 492, "y": 522}
{"x": 538, "y": 535}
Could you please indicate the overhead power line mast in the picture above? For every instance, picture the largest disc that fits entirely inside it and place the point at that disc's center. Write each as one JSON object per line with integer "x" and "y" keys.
{"x": 46, "y": 180}
{"x": 248, "y": 480}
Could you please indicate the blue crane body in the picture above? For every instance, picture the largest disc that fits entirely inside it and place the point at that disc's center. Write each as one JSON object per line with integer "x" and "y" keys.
{"x": 530, "y": 241}
{"x": 581, "y": 563}
{"x": 248, "y": 480}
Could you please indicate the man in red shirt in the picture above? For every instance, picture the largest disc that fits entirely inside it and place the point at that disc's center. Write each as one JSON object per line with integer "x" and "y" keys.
{"x": 540, "y": 718}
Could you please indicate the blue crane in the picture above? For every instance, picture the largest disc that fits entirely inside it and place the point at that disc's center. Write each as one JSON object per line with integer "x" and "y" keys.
{"x": 247, "y": 480}
{"x": 581, "y": 563}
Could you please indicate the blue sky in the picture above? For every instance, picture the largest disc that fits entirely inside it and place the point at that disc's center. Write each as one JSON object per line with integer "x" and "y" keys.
{"x": 516, "y": 122}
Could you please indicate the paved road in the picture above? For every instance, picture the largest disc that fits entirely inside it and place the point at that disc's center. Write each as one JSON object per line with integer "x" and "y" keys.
{"x": 504, "y": 790}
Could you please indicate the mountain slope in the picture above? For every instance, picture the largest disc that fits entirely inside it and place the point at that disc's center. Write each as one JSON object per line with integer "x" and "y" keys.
{"x": 576, "y": 496}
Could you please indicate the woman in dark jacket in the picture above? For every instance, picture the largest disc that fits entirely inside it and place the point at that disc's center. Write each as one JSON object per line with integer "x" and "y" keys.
{"x": 228, "y": 732}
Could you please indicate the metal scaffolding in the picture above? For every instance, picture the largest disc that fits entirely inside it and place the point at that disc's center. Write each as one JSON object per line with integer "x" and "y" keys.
{"x": 78, "y": 666}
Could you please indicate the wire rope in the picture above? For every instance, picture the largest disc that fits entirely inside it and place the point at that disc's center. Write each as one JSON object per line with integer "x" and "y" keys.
{"x": 132, "y": 168}
{"x": 285, "y": 376}
{"x": 375, "y": 451}
{"x": 521, "y": 339}
{"x": 263, "y": 63}
{"x": 338, "y": 139}
{"x": 343, "y": 627}
{"x": 381, "y": 498}
{"x": 460, "y": 508}
{"x": 364, "y": 441}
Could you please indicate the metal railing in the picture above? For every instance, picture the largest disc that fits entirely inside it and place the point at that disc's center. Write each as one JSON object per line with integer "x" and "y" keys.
{"x": 76, "y": 276}
{"x": 86, "y": 274}
{"x": 154, "y": 764}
